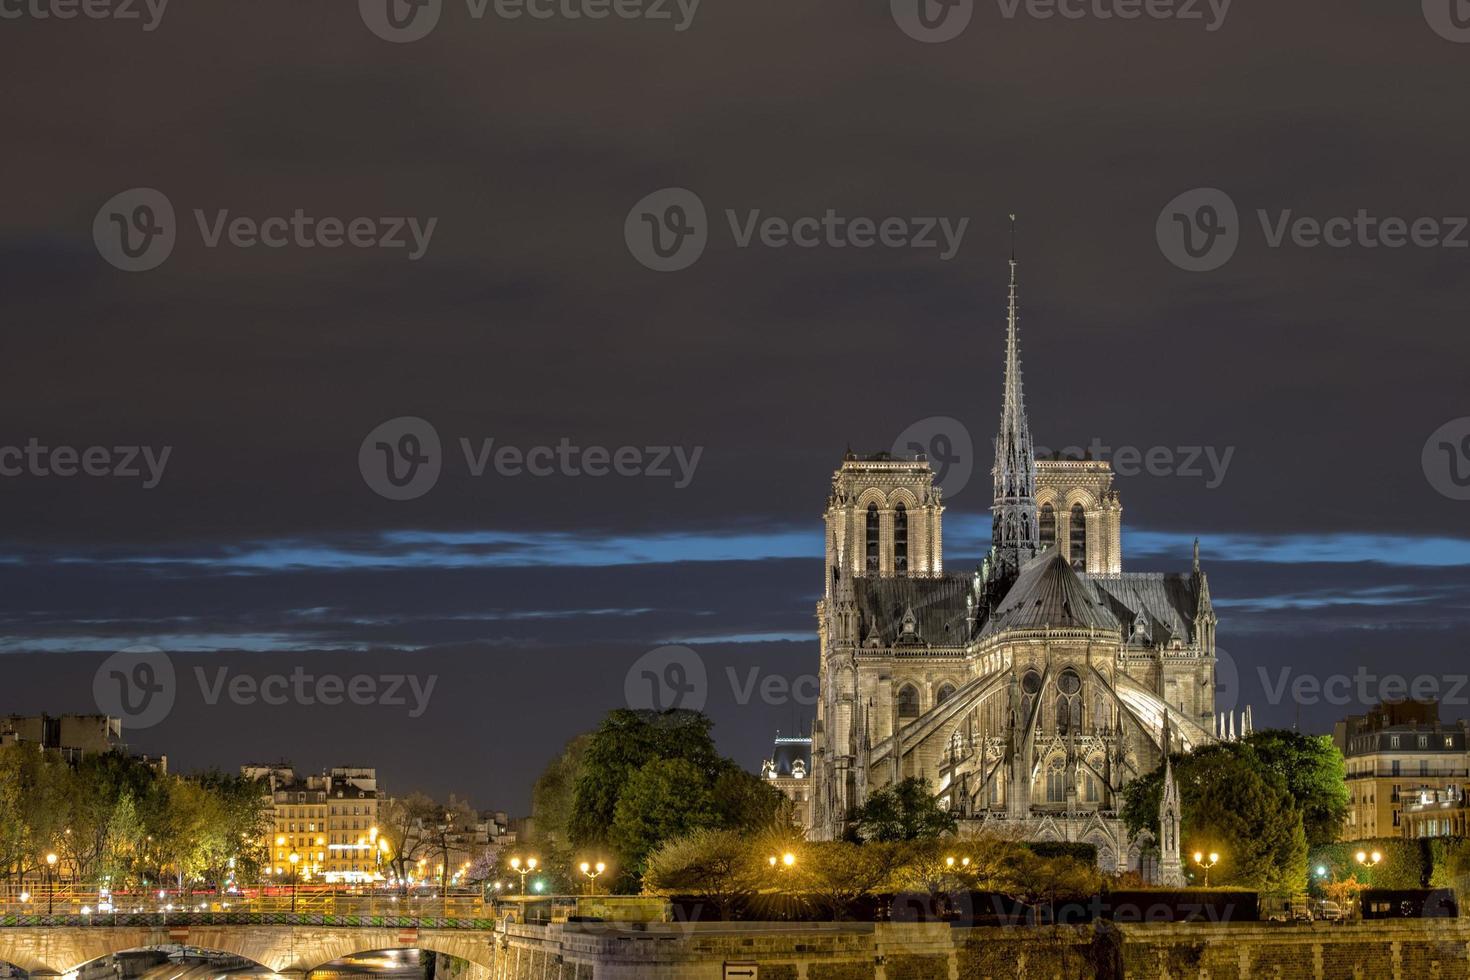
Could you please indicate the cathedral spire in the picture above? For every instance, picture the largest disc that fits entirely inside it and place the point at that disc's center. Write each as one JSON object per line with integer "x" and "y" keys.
{"x": 1013, "y": 515}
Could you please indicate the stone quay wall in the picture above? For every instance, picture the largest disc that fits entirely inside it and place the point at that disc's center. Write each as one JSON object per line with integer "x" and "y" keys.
{"x": 1385, "y": 950}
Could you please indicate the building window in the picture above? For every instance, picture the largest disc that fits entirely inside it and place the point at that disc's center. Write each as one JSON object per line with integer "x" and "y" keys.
{"x": 1048, "y": 523}
{"x": 1079, "y": 537}
{"x": 1395, "y": 768}
{"x": 908, "y": 701}
{"x": 1449, "y": 741}
{"x": 946, "y": 692}
{"x": 1056, "y": 783}
{"x": 1393, "y": 741}
{"x": 872, "y": 531}
{"x": 1423, "y": 741}
{"x": 901, "y": 540}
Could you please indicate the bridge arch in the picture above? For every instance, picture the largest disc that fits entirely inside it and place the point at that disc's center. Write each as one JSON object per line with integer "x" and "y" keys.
{"x": 287, "y": 949}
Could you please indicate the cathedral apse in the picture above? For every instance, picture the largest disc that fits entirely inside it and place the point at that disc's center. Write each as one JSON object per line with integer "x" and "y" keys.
{"x": 1027, "y": 691}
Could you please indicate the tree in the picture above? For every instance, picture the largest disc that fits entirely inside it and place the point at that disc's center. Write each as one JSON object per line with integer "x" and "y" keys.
{"x": 1315, "y": 774}
{"x": 904, "y": 812}
{"x": 642, "y": 778}
{"x": 720, "y": 867}
{"x": 402, "y": 823}
{"x": 1035, "y": 880}
{"x": 624, "y": 743}
{"x": 836, "y": 873}
{"x": 665, "y": 799}
{"x": 551, "y": 804}
{"x": 1233, "y": 804}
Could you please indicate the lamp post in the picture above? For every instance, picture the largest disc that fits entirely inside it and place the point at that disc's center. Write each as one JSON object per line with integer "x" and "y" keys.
{"x": 1206, "y": 862}
{"x": 523, "y": 868}
{"x": 294, "y": 859}
{"x": 1368, "y": 860}
{"x": 50, "y": 881}
{"x": 592, "y": 871}
{"x": 785, "y": 862}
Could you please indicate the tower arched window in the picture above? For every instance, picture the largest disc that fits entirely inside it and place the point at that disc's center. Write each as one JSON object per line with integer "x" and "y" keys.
{"x": 872, "y": 538}
{"x": 946, "y": 691}
{"x": 908, "y": 701}
{"x": 1048, "y": 523}
{"x": 1079, "y": 537}
{"x": 900, "y": 540}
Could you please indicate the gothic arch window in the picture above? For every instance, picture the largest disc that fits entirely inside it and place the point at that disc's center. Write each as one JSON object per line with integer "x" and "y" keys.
{"x": 1079, "y": 537}
{"x": 872, "y": 538}
{"x": 1069, "y": 701}
{"x": 908, "y": 701}
{"x": 1030, "y": 687}
{"x": 1048, "y": 523}
{"x": 901, "y": 540}
{"x": 946, "y": 691}
{"x": 1056, "y": 782}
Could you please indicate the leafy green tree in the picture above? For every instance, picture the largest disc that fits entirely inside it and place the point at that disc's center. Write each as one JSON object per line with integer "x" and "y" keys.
{"x": 1315, "y": 774}
{"x": 904, "y": 812}
{"x": 551, "y": 806}
{"x": 640, "y": 779}
{"x": 1233, "y": 804}
{"x": 665, "y": 799}
{"x": 624, "y": 743}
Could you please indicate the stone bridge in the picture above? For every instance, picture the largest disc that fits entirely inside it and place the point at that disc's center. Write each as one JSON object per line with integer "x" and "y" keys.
{"x": 292, "y": 948}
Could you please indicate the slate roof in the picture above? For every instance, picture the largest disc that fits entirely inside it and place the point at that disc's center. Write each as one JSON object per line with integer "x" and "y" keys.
{"x": 1166, "y": 602}
{"x": 938, "y": 604}
{"x": 1048, "y": 594}
{"x": 788, "y": 750}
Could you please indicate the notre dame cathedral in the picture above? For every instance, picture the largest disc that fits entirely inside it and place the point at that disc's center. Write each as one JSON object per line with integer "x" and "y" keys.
{"x": 1028, "y": 692}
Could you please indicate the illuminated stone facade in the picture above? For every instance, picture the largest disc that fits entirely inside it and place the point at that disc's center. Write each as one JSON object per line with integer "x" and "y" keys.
{"x": 1028, "y": 691}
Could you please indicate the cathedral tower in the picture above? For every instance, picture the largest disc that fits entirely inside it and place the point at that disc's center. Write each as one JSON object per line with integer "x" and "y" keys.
{"x": 1013, "y": 534}
{"x": 883, "y": 519}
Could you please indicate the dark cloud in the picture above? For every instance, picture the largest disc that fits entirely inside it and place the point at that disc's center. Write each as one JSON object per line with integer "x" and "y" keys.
{"x": 528, "y": 321}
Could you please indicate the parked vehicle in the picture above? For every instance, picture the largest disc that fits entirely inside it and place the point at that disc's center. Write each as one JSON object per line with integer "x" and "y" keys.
{"x": 1329, "y": 911}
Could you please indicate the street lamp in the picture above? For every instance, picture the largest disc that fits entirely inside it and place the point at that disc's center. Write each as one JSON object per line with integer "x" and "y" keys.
{"x": 592, "y": 871}
{"x": 1368, "y": 860}
{"x": 50, "y": 881}
{"x": 294, "y": 859}
{"x": 1207, "y": 862}
{"x": 785, "y": 862}
{"x": 523, "y": 868}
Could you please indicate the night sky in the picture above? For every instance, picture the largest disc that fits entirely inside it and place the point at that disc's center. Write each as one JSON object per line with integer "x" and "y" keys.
{"x": 1333, "y": 375}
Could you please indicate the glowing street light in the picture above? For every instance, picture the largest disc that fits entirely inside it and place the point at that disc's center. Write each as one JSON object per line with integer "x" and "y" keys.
{"x": 592, "y": 871}
{"x": 50, "y": 881}
{"x": 785, "y": 862}
{"x": 294, "y": 859}
{"x": 1201, "y": 859}
{"x": 1368, "y": 860}
{"x": 523, "y": 868}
